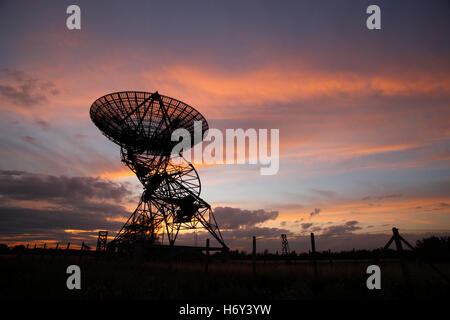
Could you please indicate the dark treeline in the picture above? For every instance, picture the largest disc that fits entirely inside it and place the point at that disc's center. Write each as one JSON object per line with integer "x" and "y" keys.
{"x": 436, "y": 248}
{"x": 21, "y": 249}
{"x": 432, "y": 247}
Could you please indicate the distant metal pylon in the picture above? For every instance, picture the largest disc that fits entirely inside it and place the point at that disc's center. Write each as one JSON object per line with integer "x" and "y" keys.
{"x": 101, "y": 241}
{"x": 284, "y": 245}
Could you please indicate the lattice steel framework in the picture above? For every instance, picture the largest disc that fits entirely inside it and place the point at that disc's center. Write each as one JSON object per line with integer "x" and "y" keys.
{"x": 101, "y": 240}
{"x": 142, "y": 123}
{"x": 284, "y": 245}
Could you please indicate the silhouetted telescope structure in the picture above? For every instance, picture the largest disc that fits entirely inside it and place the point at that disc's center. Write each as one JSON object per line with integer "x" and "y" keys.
{"x": 142, "y": 123}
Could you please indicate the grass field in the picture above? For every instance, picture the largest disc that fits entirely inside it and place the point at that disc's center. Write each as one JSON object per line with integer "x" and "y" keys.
{"x": 44, "y": 277}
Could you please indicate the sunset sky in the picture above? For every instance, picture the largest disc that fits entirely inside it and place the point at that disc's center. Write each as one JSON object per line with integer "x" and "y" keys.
{"x": 363, "y": 115}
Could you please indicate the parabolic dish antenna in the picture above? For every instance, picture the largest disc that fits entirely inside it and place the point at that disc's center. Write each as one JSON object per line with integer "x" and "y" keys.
{"x": 143, "y": 121}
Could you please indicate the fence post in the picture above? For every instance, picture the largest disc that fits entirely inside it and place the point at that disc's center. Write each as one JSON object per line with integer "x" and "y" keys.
{"x": 254, "y": 255}
{"x": 207, "y": 256}
{"x": 66, "y": 253}
{"x": 398, "y": 245}
{"x": 171, "y": 255}
{"x": 43, "y": 254}
{"x": 33, "y": 253}
{"x": 313, "y": 252}
{"x": 81, "y": 250}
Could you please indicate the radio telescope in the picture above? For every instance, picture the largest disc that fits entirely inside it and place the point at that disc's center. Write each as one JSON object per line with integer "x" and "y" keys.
{"x": 142, "y": 123}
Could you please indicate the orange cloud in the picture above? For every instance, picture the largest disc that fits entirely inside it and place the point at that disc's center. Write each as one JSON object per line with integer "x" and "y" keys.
{"x": 115, "y": 175}
{"x": 410, "y": 213}
{"x": 269, "y": 84}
